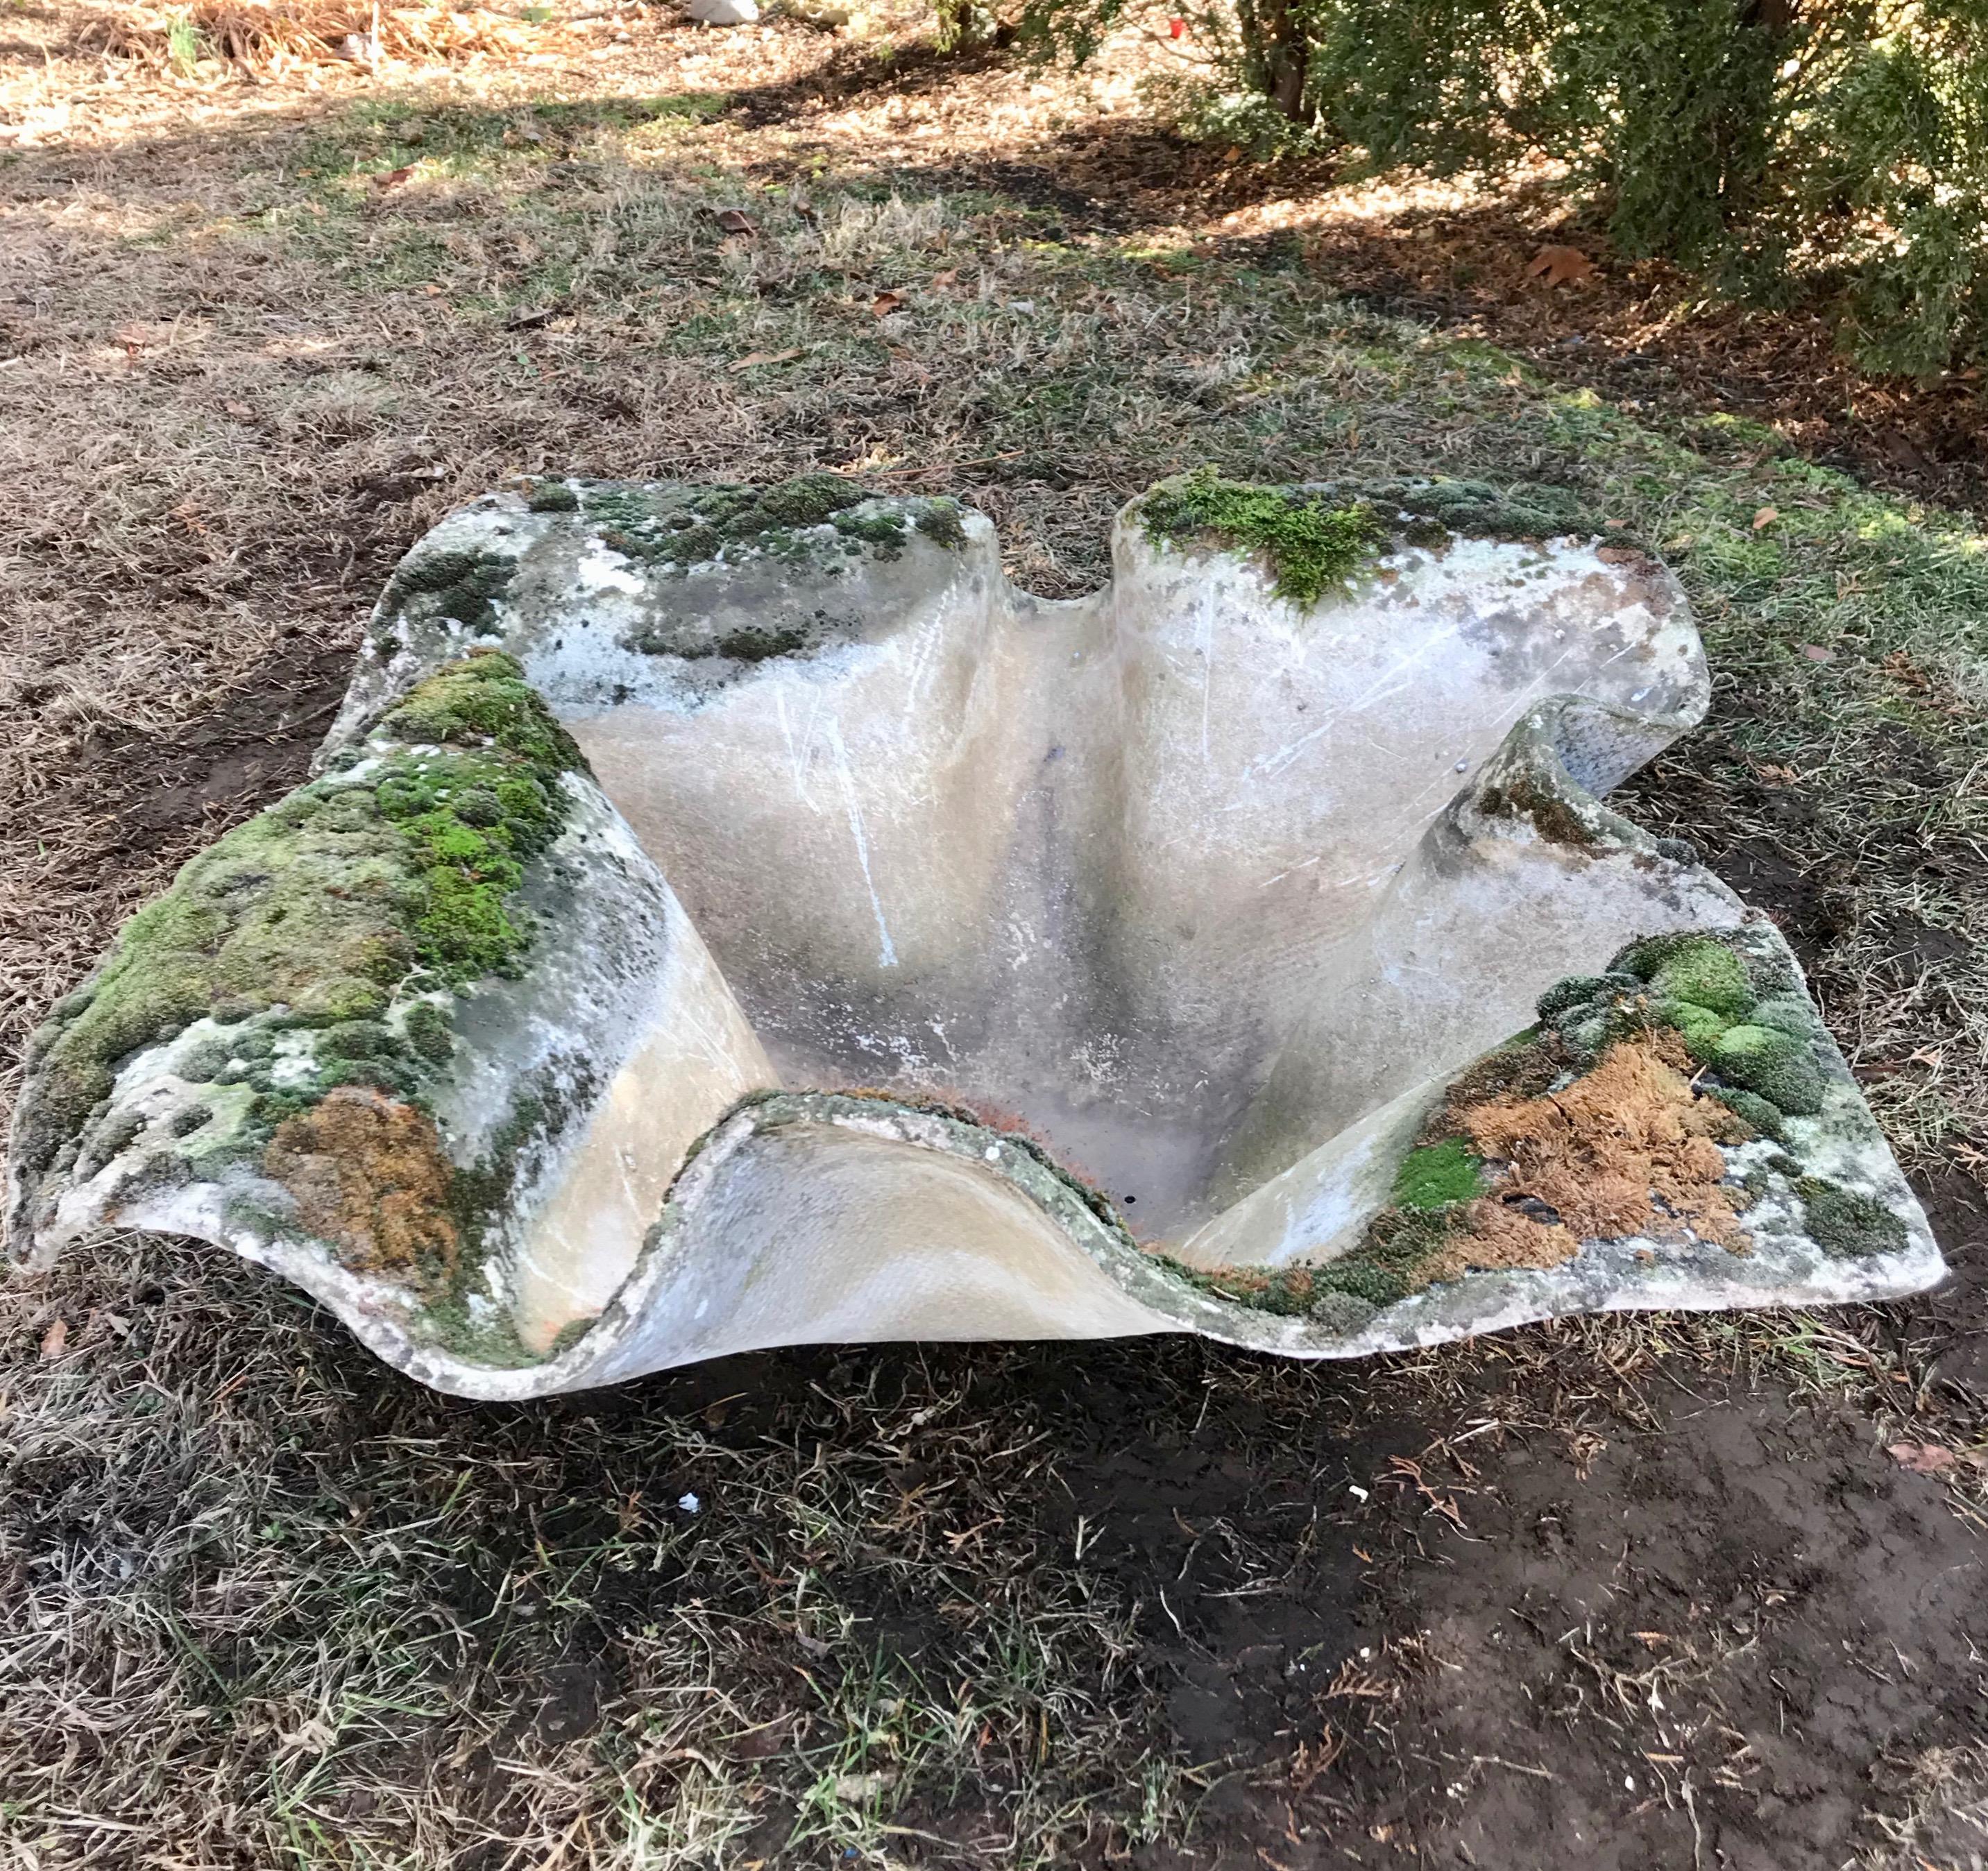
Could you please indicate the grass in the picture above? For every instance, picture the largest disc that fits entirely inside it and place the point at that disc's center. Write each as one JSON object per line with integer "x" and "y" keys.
{"x": 266, "y": 1604}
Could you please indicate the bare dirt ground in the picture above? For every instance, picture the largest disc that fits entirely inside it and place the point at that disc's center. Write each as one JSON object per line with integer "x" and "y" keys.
{"x": 1632, "y": 1593}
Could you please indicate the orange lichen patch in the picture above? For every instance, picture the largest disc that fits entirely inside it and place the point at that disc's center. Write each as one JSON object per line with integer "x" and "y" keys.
{"x": 1628, "y": 1148}
{"x": 369, "y": 1177}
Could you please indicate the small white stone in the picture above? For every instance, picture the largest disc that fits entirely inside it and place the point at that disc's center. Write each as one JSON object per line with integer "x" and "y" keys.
{"x": 724, "y": 13}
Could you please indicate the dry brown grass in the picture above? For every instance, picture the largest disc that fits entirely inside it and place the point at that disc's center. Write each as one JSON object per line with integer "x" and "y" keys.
{"x": 271, "y": 39}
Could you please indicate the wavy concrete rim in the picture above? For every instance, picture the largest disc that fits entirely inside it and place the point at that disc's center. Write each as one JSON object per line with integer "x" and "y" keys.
{"x": 1570, "y": 744}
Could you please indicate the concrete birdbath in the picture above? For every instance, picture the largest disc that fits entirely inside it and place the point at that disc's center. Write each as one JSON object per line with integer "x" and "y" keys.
{"x": 727, "y": 918}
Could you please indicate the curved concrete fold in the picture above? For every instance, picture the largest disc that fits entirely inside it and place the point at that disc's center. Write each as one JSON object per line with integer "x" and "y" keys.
{"x": 728, "y": 917}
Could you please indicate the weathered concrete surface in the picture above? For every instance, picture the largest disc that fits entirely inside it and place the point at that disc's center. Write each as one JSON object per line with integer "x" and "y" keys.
{"x": 1208, "y": 893}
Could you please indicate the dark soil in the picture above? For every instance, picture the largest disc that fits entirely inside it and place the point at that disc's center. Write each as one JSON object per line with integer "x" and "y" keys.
{"x": 154, "y": 792}
{"x": 252, "y": 748}
{"x": 1513, "y": 1607}
{"x": 1681, "y": 1626}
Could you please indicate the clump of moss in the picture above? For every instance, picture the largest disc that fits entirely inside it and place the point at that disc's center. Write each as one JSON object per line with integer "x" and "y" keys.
{"x": 691, "y": 523}
{"x": 682, "y": 525}
{"x": 885, "y": 531}
{"x": 1740, "y": 1015}
{"x": 939, "y": 521}
{"x": 1577, "y": 989}
{"x": 311, "y": 915}
{"x": 1313, "y": 547}
{"x": 1785, "y": 1013}
{"x": 1706, "y": 975}
{"x": 461, "y": 585}
{"x": 428, "y": 1031}
{"x": 484, "y": 700}
{"x": 1756, "y": 1112}
{"x": 1845, "y": 1224}
{"x": 1387, "y": 1265}
{"x": 1433, "y": 1175}
{"x": 1645, "y": 956}
{"x": 1429, "y": 511}
{"x": 805, "y": 501}
{"x": 1702, "y": 1028}
{"x": 1780, "y": 1067}
{"x": 553, "y": 497}
{"x": 760, "y": 642}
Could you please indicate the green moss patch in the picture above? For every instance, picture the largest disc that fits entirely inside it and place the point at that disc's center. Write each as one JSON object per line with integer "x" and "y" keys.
{"x": 817, "y": 521}
{"x": 346, "y": 899}
{"x": 463, "y": 586}
{"x": 1432, "y": 1175}
{"x": 1429, "y": 511}
{"x": 1390, "y": 1263}
{"x": 1313, "y": 546}
{"x": 1738, "y": 1016}
{"x": 1707, "y": 974}
{"x": 1845, "y": 1224}
{"x": 1776, "y": 1065}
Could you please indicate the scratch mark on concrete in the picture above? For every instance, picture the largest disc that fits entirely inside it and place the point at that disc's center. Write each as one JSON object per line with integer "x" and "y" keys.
{"x": 887, "y": 951}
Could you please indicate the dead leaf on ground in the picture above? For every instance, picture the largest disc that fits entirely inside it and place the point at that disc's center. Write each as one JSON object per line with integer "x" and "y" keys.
{"x": 1766, "y": 517}
{"x": 736, "y": 220}
{"x": 1922, "y": 1458}
{"x": 766, "y": 357}
{"x": 55, "y": 1339}
{"x": 1560, "y": 266}
{"x": 1901, "y": 668}
{"x": 392, "y": 179}
{"x": 886, "y": 302}
{"x": 949, "y": 278}
{"x": 239, "y": 409}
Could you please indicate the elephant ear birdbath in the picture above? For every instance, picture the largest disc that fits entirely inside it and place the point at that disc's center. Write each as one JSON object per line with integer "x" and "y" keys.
{"x": 732, "y": 916}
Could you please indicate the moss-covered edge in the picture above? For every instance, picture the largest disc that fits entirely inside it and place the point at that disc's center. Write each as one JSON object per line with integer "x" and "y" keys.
{"x": 322, "y": 941}
{"x": 1311, "y": 546}
{"x": 1742, "y": 1018}
{"x": 1317, "y": 537}
{"x": 683, "y": 524}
